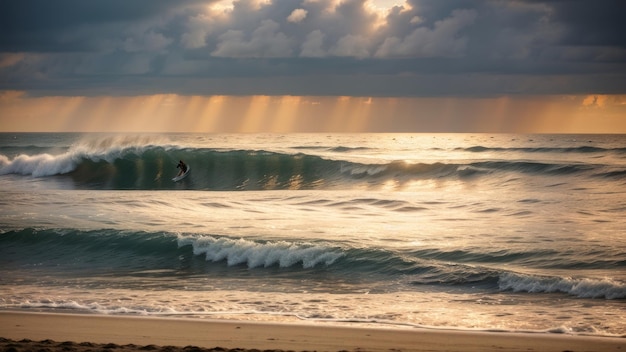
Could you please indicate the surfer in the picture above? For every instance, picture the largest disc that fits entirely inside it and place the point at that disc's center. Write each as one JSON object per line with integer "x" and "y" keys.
{"x": 182, "y": 166}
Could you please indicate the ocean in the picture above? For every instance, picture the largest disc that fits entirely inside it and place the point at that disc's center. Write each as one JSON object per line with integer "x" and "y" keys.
{"x": 488, "y": 232}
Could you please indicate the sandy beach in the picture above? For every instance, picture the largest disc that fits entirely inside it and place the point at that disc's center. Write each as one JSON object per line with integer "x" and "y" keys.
{"x": 71, "y": 332}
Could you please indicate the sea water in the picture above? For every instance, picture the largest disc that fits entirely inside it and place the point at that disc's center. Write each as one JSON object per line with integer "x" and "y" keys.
{"x": 490, "y": 232}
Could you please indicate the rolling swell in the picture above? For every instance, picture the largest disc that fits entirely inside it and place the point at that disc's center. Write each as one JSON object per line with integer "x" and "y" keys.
{"x": 150, "y": 166}
{"x": 78, "y": 253}
{"x": 581, "y": 149}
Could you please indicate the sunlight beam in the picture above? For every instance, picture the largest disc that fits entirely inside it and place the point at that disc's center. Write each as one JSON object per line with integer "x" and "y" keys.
{"x": 284, "y": 114}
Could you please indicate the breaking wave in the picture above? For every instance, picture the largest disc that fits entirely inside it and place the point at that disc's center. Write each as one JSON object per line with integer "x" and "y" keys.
{"x": 113, "y": 252}
{"x": 149, "y": 162}
{"x": 583, "y": 288}
{"x": 260, "y": 254}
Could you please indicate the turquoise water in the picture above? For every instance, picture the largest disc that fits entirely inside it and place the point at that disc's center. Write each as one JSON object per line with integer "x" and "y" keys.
{"x": 488, "y": 232}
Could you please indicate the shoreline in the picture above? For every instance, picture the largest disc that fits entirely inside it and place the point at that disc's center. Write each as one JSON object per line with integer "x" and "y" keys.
{"x": 82, "y": 332}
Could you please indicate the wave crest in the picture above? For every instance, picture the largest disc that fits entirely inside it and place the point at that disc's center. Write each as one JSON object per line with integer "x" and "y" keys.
{"x": 260, "y": 254}
{"x": 95, "y": 149}
{"x": 39, "y": 165}
{"x": 149, "y": 162}
{"x": 583, "y": 288}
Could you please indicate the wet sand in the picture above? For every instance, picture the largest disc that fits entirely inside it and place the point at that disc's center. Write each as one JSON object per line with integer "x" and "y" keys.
{"x": 51, "y": 332}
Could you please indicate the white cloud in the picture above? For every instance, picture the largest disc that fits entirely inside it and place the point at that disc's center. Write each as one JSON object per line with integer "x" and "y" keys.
{"x": 297, "y": 15}
{"x": 265, "y": 41}
{"x": 199, "y": 27}
{"x": 443, "y": 40}
{"x": 506, "y": 41}
{"x": 350, "y": 29}
{"x": 353, "y": 46}
{"x": 312, "y": 47}
{"x": 416, "y": 20}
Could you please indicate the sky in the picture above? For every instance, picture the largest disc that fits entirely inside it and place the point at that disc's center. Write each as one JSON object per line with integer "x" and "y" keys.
{"x": 527, "y": 66}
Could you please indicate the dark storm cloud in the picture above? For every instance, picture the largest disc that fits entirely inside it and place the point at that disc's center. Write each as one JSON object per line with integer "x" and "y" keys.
{"x": 601, "y": 23}
{"x": 313, "y": 47}
{"x": 71, "y": 25}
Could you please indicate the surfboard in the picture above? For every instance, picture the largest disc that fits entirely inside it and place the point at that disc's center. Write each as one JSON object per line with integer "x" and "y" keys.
{"x": 180, "y": 177}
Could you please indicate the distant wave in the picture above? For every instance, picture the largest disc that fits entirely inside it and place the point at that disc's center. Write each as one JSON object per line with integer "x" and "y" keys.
{"x": 482, "y": 149}
{"x": 149, "y": 162}
{"x": 338, "y": 149}
{"x": 110, "y": 251}
{"x": 580, "y": 149}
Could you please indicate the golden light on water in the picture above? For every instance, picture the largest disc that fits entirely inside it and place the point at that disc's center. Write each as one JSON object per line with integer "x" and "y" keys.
{"x": 283, "y": 114}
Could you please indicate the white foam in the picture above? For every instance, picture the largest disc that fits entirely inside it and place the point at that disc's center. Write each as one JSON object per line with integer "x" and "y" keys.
{"x": 95, "y": 149}
{"x": 256, "y": 254}
{"x": 584, "y": 288}
{"x": 38, "y": 165}
{"x": 362, "y": 170}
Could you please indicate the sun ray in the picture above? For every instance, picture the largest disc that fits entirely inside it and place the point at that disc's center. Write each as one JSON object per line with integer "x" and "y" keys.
{"x": 255, "y": 118}
{"x": 284, "y": 114}
{"x": 287, "y": 114}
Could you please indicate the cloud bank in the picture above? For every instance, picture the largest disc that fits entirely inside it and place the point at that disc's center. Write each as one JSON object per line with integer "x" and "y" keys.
{"x": 313, "y": 47}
